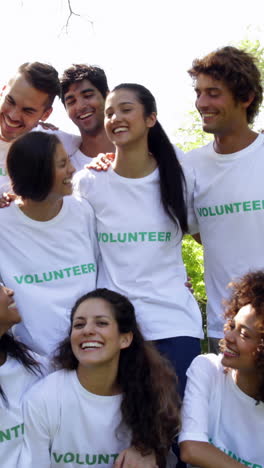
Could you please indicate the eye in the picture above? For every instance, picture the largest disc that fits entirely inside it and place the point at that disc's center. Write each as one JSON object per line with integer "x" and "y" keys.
{"x": 102, "y": 323}
{"x": 214, "y": 94}
{"x": 88, "y": 95}
{"x": 78, "y": 325}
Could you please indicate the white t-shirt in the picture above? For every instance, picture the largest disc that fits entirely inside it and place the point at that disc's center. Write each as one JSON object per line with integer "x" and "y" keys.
{"x": 141, "y": 252}
{"x": 65, "y": 425}
{"x": 70, "y": 142}
{"x": 15, "y": 380}
{"x": 215, "y": 410}
{"x": 79, "y": 159}
{"x": 228, "y": 211}
{"x": 49, "y": 265}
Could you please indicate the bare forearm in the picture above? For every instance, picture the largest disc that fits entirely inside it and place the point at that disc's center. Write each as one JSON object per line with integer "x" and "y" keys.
{"x": 205, "y": 455}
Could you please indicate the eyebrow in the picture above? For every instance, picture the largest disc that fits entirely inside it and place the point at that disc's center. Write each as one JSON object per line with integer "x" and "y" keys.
{"x": 120, "y": 104}
{"x": 86, "y": 90}
{"x": 209, "y": 88}
{"x": 32, "y": 109}
{"x": 96, "y": 316}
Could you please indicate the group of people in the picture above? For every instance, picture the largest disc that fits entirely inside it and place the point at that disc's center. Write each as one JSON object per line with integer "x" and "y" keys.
{"x": 99, "y": 280}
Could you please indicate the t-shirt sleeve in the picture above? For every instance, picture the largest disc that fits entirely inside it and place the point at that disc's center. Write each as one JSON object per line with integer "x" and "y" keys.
{"x": 83, "y": 183}
{"x": 37, "y": 438}
{"x": 201, "y": 378}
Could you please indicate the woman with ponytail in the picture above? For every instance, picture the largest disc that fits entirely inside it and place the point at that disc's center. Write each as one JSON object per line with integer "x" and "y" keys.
{"x": 141, "y": 217}
{"x": 19, "y": 369}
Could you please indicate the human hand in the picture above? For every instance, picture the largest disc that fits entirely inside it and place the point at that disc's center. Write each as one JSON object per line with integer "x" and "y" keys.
{"x": 132, "y": 458}
{"x": 101, "y": 162}
{"x": 189, "y": 285}
{"x": 6, "y": 199}
{"x": 47, "y": 126}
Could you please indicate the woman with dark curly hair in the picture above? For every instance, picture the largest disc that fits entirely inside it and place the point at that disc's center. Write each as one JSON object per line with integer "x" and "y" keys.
{"x": 19, "y": 369}
{"x": 112, "y": 390}
{"x": 223, "y": 410}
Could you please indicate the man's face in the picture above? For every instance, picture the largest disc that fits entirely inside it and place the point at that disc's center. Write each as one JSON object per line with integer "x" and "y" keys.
{"x": 85, "y": 107}
{"x": 220, "y": 113}
{"x": 21, "y": 108}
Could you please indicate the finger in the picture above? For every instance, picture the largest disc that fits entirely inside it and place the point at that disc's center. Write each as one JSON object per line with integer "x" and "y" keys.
{"x": 119, "y": 463}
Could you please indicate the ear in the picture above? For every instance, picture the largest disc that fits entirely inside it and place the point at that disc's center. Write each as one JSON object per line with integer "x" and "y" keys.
{"x": 126, "y": 340}
{"x": 151, "y": 119}
{"x": 247, "y": 103}
{"x": 46, "y": 113}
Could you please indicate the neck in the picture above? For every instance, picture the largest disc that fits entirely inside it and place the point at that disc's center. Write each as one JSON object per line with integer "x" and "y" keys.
{"x": 231, "y": 143}
{"x": 99, "y": 379}
{"x": 41, "y": 211}
{"x": 134, "y": 162}
{"x": 92, "y": 145}
{"x": 248, "y": 382}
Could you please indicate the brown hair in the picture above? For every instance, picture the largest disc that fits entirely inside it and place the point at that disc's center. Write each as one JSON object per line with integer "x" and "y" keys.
{"x": 250, "y": 290}
{"x": 238, "y": 70}
{"x": 150, "y": 406}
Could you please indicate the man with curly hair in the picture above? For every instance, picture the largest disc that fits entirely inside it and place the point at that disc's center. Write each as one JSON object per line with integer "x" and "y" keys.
{"x": 228, "y": 197}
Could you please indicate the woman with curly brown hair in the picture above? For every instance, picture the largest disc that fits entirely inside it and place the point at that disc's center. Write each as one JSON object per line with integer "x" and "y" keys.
{"x": 112, "y": 391}
{"x": 223, "y": 410}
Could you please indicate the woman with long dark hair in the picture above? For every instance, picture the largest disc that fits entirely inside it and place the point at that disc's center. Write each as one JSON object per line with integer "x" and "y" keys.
{"x": 113, "y": 390}
{"x": 141, "y": 217}
{"x": 223, "y": 408}
{"x": 48, "y": 244}
{"x": 19, "y": 369}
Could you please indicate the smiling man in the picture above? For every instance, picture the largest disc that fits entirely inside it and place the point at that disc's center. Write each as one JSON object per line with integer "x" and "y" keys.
{"x": 227, "y": 174}
{"x": 26, "y": 99}
{"x": 84, "y": 90}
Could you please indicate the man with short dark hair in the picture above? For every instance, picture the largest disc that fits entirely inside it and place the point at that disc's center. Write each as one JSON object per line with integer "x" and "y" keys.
{"x": 227, "y": 174}
{"x": 25, "y": 100}
{"x": 84, "y": 90}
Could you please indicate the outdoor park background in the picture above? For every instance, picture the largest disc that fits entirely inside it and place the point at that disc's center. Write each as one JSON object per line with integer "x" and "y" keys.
{"x": 151, "y": 42}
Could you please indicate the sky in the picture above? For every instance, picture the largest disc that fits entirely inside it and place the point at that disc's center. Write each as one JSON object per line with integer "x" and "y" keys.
{"x": 150, "y": 42}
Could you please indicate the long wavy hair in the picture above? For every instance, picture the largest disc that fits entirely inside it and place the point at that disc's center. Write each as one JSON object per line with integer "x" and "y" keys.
{"x": 249, "y": 290}
{"x": 150, "y": 406}
{"x": 9, "y": 346}
{"x": 172, "y": 180}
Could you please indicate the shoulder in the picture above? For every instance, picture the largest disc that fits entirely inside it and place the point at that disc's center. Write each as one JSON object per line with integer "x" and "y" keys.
{"x": 46, "y": 389}
{"x": 205, "y": 364}
{"x": 197, "y": 154}
{"x": 70, "y": 141}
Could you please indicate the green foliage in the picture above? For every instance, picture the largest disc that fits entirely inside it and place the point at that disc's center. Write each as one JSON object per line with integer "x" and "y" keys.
{"x": 192, "y": 254}
{"x": 254, "y": 48}
{"x": 191, "y": 135}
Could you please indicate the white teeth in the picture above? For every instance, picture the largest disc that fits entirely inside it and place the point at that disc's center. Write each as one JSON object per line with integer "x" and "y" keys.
{"x": 67, "y": 181}
{"x": 91, "y": 344}
{"x": 12, "y": 305}
{"x": 120, "y": 129}
{"x": 83, "y": 116}
{"x": 11, "y": 124}
{"x": 229, "y": 351}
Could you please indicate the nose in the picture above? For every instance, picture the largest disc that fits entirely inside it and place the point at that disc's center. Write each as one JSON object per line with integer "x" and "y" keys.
{"x": 230, "y": 335}
{"x": 202, "y": 101}
{"x": 14, "y": 114}
{"x": 9, "y": 291}
{"x": 71, "y": 168}
{"x": 89, "y": 329}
